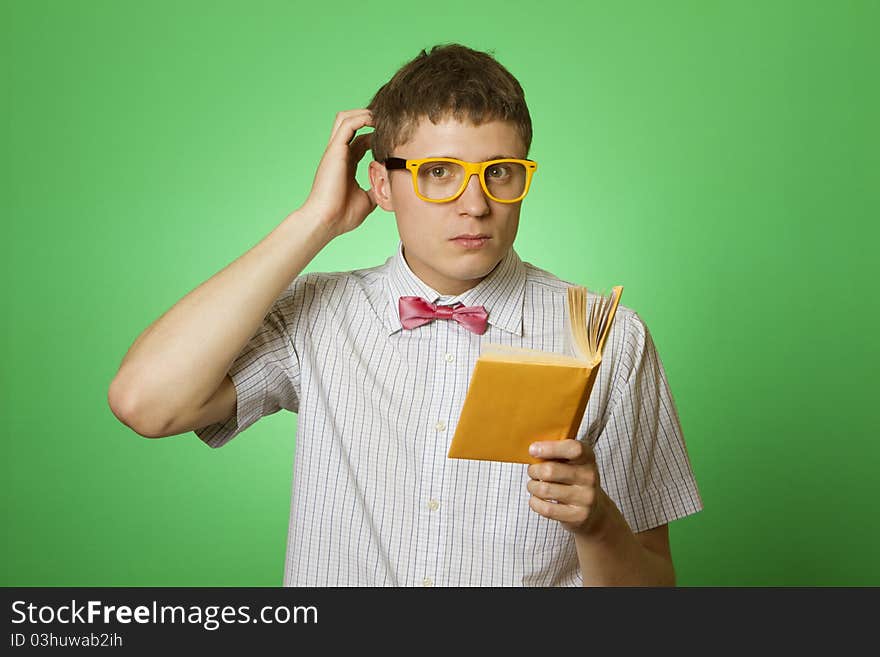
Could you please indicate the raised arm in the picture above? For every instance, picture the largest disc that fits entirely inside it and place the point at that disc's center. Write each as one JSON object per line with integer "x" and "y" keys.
{"x": 173, "y": 378}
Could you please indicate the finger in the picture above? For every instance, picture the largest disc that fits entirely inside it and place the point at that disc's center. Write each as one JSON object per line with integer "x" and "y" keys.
{"x": 344, "y": 119}
{"x": 344, "y": 114}
{"x": 347, "y": 130}
{"x": 562, "y": 512}
{"x": 562, "y": 493}
{"x": 564, "y": 473}
{"x": 563, "y": 450}
{"x": 359, "y": 146}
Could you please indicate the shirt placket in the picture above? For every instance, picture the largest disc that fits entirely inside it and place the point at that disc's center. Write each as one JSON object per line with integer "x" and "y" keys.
{"x": 436, "y": 447}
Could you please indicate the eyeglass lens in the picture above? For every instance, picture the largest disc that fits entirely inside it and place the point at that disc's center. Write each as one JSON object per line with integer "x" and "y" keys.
{"x": 441, "y": 180}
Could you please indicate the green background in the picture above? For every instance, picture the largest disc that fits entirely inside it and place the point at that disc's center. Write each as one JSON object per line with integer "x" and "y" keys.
{"x": 720, "y": 160}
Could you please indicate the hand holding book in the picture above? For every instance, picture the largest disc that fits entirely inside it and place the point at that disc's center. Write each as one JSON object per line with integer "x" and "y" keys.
{"x": 517, "y": 396}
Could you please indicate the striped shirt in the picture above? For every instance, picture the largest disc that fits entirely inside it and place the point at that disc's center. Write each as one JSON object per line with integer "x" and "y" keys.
{"x": 376, "y": 501}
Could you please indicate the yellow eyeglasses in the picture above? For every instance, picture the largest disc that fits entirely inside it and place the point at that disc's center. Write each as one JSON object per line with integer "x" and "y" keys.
{"x": 440, "y": 180}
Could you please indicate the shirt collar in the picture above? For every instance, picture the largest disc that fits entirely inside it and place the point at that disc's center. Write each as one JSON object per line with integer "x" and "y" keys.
{"x": 501, "y": 292}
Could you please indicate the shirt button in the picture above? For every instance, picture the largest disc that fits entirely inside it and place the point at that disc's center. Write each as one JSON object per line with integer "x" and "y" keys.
{"x": 427, "y": 582}
{"x": 449, "y": 358}
{"x": 440, "y": 426}
{"x": 433, "y": 504}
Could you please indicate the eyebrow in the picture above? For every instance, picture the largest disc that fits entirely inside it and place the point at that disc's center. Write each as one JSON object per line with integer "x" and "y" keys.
{"x": 494, "y": 157}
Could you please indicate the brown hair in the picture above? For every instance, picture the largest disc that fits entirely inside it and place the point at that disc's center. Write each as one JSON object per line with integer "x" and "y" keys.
{"x": 449, "y": 81}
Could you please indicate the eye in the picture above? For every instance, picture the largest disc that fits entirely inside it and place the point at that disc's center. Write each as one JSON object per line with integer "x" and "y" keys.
{"x": 438, "y": 172}
{"x": 498, "y": 171}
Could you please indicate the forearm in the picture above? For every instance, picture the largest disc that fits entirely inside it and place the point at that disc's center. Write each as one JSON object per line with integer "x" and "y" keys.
{"x": 179, "y": 361}
{"x": 611, "y": 555}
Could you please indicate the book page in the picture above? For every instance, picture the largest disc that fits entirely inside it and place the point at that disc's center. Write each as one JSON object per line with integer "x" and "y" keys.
{"x": 590, "y": 320}
{"x": 613, "y": 302}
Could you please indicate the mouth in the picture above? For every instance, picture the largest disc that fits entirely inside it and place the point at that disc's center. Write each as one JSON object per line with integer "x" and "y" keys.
{"x": 471, "y": 241}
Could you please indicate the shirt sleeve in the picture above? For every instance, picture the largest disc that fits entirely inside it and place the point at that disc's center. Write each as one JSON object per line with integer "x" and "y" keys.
{"x": 641, "y": 454}
{"x": 266, "y": 373}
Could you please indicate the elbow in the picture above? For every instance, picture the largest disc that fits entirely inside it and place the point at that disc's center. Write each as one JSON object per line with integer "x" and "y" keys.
{"x": 125, "y": 408}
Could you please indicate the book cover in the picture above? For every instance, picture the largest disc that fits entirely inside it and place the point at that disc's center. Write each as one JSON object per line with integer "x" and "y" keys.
{"x": 517, "y": 396}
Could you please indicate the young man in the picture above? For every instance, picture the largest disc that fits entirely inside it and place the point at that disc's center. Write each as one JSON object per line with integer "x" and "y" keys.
{"x": 376, "y": 362}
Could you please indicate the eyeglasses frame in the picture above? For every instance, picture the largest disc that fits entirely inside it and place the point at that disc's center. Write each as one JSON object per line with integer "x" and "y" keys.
{"x": 470, "y": 169}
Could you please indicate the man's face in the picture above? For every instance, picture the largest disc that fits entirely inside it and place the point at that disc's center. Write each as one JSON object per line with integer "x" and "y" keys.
{"x": 428, "y": 230}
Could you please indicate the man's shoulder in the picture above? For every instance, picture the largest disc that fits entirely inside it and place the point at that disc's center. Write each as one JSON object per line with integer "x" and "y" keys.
{"x": 341, "y": 282}
{"x": 349, "y": 293}
{"x": 537, "y": 277}
{"x": 543, "y": 282}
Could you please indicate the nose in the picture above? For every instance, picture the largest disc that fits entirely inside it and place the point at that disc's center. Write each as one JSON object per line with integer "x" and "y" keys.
{"x": 472, "y": 199}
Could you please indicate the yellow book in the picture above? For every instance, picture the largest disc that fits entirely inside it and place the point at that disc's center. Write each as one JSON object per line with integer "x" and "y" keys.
{"x": 517, "y": 396}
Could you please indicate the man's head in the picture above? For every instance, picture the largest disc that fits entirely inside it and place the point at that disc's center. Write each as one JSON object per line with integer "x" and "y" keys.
{"x": 459, "y": 103}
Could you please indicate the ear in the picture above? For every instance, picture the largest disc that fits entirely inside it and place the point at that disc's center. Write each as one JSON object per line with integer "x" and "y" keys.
{"x": 381, "y": 186}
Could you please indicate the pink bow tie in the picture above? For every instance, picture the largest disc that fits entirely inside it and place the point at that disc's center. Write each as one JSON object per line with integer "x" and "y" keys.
{"x": 415, "y": 311}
